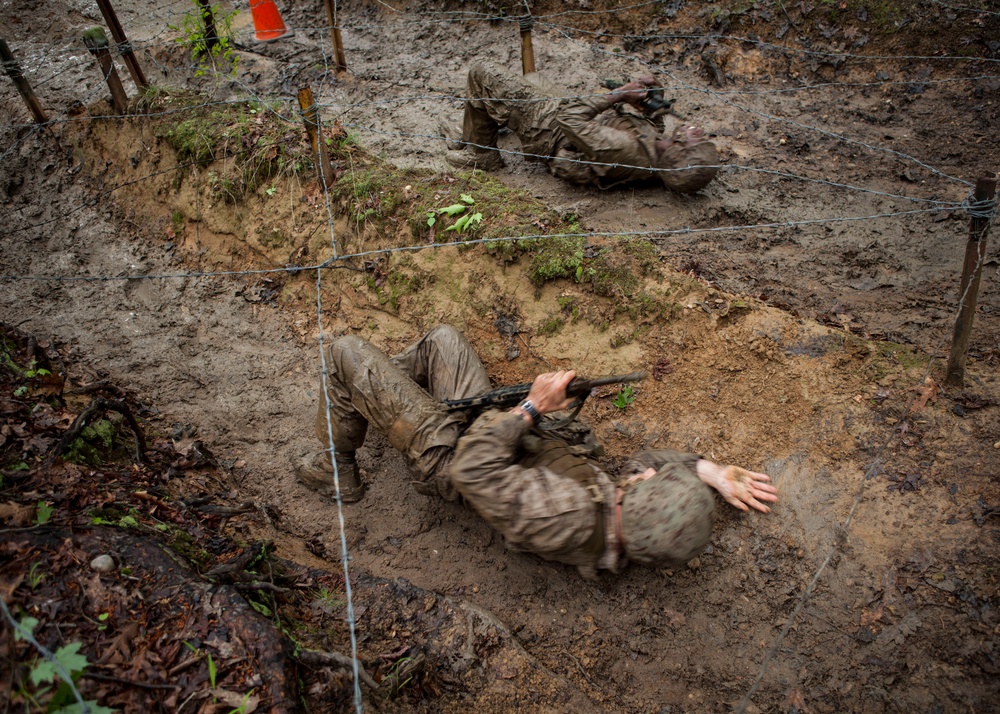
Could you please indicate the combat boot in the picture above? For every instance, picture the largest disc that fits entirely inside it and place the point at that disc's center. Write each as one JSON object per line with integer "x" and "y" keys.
{"x": 475, "y": 158}
{"x": 316, "y": 472}
{"x": 452, "y": 134}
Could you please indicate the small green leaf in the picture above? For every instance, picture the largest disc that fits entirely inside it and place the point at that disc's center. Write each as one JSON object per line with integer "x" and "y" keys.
{"x": 453, "y": 209}
{"x": 43, "y": 514}
{"x": 27, "y": 623}
{"x": 211, "y": 670}
{"x": 43, "y": 671}
{"x": 128, "y": 522}
{"x": 69, "y": 658}
{"x": 459, "y": 225}
{"x": 467, "y": 198}
{"x": 21, "y": 391}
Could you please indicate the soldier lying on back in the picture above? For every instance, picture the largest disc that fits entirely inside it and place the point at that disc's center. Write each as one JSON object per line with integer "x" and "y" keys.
{"x": 580, "y": 139}
{"x": 541, "y": 490}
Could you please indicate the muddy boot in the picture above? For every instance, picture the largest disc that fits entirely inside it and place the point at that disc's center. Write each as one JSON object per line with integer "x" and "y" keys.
{"x": 452, "y": 133}
{"x": 316, "y": 472}
{"x": 470, "y": 159}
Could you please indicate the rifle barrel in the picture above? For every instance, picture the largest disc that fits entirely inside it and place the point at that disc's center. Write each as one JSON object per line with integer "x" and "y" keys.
{"x": 512, "y": 395}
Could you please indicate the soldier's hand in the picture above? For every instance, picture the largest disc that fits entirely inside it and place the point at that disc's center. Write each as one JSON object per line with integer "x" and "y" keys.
{"x": 635, "y": 91}
{"x": 548, "y": 391}
{"x": 741, "y": 488}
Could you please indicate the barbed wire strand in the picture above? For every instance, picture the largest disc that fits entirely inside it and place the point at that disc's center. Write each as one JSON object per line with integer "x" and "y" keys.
{"x": 565, "y": 30}
{"x": 977, "y": 10}
{"x": 325, "y": 396}
{"x": 344, "y": 257}
{"x": 325, "y": 182}
{"x": 325, "y": 374}
{"x": 985, "y": 209}
{"x": 792, "y": 122}
{"x": 65, "y": 676}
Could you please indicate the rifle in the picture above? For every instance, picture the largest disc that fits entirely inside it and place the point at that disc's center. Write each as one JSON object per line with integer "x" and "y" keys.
{"x": 653, "y": 104}
{"x": 507, "y": 397}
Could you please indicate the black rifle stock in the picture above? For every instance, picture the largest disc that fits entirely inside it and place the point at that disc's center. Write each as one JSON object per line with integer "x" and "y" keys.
{"x": 507, "y": 397}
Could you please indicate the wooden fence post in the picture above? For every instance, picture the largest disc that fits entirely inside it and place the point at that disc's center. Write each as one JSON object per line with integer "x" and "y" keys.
{"x": 340, "y": 59}
{"x": 310, "y": 114}
{"x": 972, "y": 270}
{"x": 97, "y": 42}
{"x": 527, "y": 49}
{"x": 13, "y": 70}
{"x": 211, "y": 34}
{"x": 124, "y": 46}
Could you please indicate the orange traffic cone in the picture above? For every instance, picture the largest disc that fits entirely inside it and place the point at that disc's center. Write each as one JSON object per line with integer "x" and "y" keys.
{"x": 267, "y": 22}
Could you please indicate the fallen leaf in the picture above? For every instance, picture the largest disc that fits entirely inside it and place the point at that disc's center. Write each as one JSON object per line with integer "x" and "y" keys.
{"x": 927, "y": 392}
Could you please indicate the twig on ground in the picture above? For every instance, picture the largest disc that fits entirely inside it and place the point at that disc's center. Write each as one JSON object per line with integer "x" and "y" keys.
{"x": 335, "y": 659}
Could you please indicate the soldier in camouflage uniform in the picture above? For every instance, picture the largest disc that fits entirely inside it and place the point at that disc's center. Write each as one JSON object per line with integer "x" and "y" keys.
{"x": 580, "y": 139}
{"x": 543, "y": 494}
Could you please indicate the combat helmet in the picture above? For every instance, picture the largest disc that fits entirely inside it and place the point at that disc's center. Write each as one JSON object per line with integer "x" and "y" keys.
{"x": 667, "y": 518}
{"x": 688, "y": 148}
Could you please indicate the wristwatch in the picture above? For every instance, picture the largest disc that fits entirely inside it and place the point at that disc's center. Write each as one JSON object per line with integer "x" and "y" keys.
{"x": 528, "y": 408}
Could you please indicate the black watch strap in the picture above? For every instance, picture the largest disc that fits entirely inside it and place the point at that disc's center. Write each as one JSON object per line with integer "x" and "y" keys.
{"x": 531, "y": 411}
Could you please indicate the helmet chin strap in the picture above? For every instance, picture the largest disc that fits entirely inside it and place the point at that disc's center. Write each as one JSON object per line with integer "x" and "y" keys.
{"x": 620, "y": 495}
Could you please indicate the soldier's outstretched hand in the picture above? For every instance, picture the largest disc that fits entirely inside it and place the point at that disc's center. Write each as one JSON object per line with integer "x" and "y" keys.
{"x": 741, "y": 488}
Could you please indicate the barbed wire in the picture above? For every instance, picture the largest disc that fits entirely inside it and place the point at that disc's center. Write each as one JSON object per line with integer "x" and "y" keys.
{"x": 344, "y": 257}
{"x": 977, "y": 209}
{"x": 457, "y": 98}
{"x": 25, "y": 633}
{"x": 656, "y": 169}
{"x": 792, "y": 122}
{"x": 564, "y": 30}
{"x": 980, "y": 11}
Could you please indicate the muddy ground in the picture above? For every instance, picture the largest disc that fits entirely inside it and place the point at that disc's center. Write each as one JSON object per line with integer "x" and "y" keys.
{"x": 798, "y": 349}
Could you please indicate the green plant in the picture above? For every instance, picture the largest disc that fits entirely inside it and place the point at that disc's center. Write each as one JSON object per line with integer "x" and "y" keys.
{"x": 208, "y": 49}
{"x": 35, "y": 576}
{"x": 242, "y": 708}
{"x": 103, "y": 619}
{"x": 624, "y": 397}
{"x": 43, "y": 513}
{"x": 30, "y": 373}
{"x": 211, "y": 669}
{"x": 64, "y": 666}
{"x": 466, "y": 222}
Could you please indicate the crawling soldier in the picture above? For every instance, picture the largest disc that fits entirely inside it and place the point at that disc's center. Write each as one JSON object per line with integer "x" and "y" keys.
{"x": 542, "y": 492}
{"x": 580, "y": 139}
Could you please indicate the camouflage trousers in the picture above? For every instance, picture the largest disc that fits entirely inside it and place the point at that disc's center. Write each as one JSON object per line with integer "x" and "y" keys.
{"x": 526, "y": 105}
{"x": 529, "y": 106}
{"x": 402, "y": 397}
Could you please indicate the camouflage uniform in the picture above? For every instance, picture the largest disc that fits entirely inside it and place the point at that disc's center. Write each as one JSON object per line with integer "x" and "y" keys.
{"x": 542, "y": 495}
{"x": 560, "y": 131}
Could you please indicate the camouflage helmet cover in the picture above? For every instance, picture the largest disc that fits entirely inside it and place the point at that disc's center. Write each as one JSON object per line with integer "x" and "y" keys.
{"x": 688, "y": 148}
{"x": 667, "y": 518}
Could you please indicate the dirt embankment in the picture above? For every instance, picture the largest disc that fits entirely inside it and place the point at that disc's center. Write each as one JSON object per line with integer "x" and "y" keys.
{"x": 904, "y": 613}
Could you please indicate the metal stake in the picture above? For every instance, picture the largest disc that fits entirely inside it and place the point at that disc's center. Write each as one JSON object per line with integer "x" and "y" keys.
{"x": 972, "y": 270}
{"x": 14, "y": 72}
{"x": 124, "y": 46}
{"x": 310, "y": 115}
